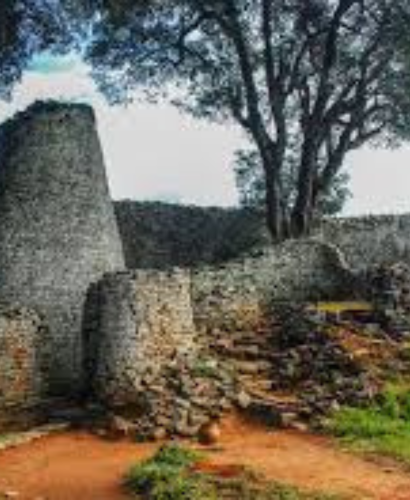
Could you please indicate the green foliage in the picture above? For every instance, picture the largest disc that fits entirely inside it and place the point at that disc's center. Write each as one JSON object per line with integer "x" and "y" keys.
{"x": 206, "y": 368}
{"x": 251, "y": 185}
{"x": 308, "y": 82}
{"x": 167, "y": 476}
{"x": 27, "y": 28}
{"x": 383, "y": 427}
{"x": 176, "y": 456}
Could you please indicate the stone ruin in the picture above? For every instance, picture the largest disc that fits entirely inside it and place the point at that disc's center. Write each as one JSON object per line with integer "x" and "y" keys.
{"x": 58, "y": 232}
{"x": 78, "y": 324}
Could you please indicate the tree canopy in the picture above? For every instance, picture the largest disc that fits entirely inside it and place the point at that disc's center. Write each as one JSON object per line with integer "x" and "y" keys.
{"x": 307, "y": 80}
{"x": 251, "y": 186}
{"x": 28, "y": 27}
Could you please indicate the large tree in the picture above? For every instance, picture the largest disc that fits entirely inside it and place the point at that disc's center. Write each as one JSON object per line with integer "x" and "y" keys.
{"x": 252, "y": 194}
{"x": 307, "y": 80}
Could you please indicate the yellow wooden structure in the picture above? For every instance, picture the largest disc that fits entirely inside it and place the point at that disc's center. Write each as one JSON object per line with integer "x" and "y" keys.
{"x": 340, "y": 309}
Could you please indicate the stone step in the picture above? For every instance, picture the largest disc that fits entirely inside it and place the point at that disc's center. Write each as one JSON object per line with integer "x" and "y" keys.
{"x": 251, "y": 382}
{"x": 246, "y": 353}
{"x": 265, "y": 413}
{"x": 257, "y": 340}
{"x": 252, "y": 367}
{"x": 275, "y": 414}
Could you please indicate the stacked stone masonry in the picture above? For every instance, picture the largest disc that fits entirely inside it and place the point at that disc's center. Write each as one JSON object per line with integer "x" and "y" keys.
{"x": 22, "y": 339}
{"x": 145, "y": 321}
{"x": 238, "y": 295}
{"x": 58, "y": 232}
{"x": 64, "y": 251}
{"x": 164, "y": 235}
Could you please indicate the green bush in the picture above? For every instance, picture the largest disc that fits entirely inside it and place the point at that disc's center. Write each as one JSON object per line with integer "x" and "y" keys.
{"x": 176, "y": 456}
{"x": 383, "y": 427}
{"x": 167, "y": 476}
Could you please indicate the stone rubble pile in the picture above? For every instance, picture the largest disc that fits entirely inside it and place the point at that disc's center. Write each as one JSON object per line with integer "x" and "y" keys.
{"x": 179, "y": 400}
{"x": 251, "y": 354}
{"x": 311, "y": 363}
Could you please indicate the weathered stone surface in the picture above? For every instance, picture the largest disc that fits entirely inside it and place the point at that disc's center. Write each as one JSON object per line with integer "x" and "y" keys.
{"x": 370, "y": 240}
{"x": 58, "y": 232}
{"x": 238, "y": 295}
{"x": 313, "y": 363}
{"x": 144, "y": 322}
{"x": 22, "y": 384}
{"x": 160, "y": 235}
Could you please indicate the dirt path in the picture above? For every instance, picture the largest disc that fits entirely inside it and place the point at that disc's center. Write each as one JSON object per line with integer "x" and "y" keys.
{"x": 77, "y": 466}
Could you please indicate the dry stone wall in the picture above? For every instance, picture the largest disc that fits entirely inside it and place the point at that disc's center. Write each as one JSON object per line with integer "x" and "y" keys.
{"x": 145, "y": 322}
{"x": 22, "y": 336}
{"x": 238, "y": 295}
{"x": 161, "y": 235}
{"x": 58, "y": 233}
{"x": 369, "y": 241}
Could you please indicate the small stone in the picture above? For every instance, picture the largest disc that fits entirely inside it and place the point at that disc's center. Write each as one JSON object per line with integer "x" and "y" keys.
{"x": 244, "y": 400}
{"x": 121, "y": 427}
{"x": 209, "y": 433}
{"x": 159, "y": 434}
{"x": 10, "y": 494}
{"x": 299, "y": 426}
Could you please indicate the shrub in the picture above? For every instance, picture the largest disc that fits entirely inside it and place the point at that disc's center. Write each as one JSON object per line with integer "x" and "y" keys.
{"x": 170, "y": 475}
{"x": 383, "y": 427}
{"x": 167, "y": 476}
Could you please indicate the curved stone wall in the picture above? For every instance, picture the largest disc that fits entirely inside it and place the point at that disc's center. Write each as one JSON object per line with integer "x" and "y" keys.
{"x": 144, "y": 321}
{"x": 58, "y": 232}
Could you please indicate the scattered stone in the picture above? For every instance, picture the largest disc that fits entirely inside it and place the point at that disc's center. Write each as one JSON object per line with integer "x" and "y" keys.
{"x": 244, "y": 400}
{"x": 182, "y": 398}
{"x": 209, "y": 433}
{"x": 121, "y": 427}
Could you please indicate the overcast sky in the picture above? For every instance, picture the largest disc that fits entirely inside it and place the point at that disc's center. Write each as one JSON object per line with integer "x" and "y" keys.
{"x": 154, "y": 152}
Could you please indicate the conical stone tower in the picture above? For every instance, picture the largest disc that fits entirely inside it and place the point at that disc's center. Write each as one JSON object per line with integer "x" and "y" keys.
{"x": 58, "y": 233}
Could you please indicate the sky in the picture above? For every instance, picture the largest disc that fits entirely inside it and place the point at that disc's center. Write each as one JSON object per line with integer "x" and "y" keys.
{"x": 153, "y": 152}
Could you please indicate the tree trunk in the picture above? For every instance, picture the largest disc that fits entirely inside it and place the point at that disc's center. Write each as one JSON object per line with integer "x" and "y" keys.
{"x": 302, "y": 213}
{"x": 274, "y": 217}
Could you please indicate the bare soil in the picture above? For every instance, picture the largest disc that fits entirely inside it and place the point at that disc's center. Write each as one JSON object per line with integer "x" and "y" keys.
{"x": 80, "y": 466}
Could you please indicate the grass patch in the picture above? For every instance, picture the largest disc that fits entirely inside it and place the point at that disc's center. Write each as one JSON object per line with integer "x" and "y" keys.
{"x": 167, "y": 476}
{"x": 382, "y": 428}
{"x": 171, "y": 475}
{"x": 205, "y": 368}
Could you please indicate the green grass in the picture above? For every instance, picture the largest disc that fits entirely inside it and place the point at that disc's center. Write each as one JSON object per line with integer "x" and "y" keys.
{"x": 205, "y": 368}
{"x": 169, "y": 475}
{"x": 382, "y": 428}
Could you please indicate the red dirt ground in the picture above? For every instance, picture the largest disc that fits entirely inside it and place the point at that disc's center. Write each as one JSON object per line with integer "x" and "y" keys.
{"x": 79, "y": 466}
